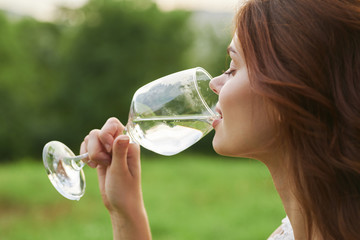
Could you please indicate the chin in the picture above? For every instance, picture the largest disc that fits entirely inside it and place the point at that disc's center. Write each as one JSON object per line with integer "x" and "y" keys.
{"x": 216, "y": 145}
{"x": 231, "y": 150}
{"x": 222, "y": 149}
{"x": 218, "y": 150}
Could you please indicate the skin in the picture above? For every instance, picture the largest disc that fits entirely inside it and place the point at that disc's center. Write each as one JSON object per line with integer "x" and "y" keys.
{"x": 118, "y": 166}
{"x": 247, "y": 130}
{"x": 244, "y": 130}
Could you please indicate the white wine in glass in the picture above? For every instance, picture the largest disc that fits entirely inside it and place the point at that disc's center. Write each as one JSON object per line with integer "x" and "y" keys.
{"x": 166, "y": 116}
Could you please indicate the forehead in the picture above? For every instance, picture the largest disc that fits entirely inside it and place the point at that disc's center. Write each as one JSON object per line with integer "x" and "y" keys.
{"x": 235, "y": 44}
{"x": 235, "y": 50}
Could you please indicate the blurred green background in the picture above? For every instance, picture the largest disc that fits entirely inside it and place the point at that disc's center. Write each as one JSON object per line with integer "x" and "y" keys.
{"x": 187, "y": 196}
{"x": 60, "y": 79}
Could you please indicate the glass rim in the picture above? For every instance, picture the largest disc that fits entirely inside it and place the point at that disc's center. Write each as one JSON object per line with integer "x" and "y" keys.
{"x": 196, "y": 69}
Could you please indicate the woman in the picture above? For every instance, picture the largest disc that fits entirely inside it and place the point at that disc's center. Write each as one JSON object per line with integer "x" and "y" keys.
{"x": 291, "y": 99}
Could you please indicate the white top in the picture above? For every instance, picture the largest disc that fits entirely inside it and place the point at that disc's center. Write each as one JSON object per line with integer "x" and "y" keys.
{"x": 284, "y": 232}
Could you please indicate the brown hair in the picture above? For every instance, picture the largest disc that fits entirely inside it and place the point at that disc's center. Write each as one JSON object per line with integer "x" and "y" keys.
{"x": 303, "y": 56}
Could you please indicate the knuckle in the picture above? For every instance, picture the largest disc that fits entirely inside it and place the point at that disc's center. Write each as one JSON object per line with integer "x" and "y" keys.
{"x": 99, "y": 158}
{"x": 113, "y": 120}
{"x": 94, "y": 132}
{"x": 93, "y": 156}
{"x": 114, "y": 123}
{"x": 103, "y": 133}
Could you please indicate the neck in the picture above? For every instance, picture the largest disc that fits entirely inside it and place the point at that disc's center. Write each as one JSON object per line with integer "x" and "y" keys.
{"x": 292, "y": 207}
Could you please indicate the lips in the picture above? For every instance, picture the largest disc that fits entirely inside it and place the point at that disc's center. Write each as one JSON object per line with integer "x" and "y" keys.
{"x": 219, "y": 117}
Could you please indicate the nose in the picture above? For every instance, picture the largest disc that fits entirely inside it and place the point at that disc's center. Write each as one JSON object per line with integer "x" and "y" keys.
{"x": 216, "y": 84}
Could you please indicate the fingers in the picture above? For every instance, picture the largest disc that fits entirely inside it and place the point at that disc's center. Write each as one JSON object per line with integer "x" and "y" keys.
{"x": 133, "y": 160}
{"x": 96, "y": 150}
{"x": 126, "y": 156}
{"x": 111, "y": 129}
{"x": 120, "y": 150}
{"x": 99, "y": 143}
{"x": 83, "y": 149}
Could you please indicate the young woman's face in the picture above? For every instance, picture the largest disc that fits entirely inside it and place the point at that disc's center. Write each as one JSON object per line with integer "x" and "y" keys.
{"x": 244, "y": 129}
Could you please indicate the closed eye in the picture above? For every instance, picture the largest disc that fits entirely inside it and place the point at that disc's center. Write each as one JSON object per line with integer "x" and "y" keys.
{"x": 230, "y": 72}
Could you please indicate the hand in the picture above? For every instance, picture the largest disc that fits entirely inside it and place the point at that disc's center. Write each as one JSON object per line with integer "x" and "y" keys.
{"x": 118, "y": 166}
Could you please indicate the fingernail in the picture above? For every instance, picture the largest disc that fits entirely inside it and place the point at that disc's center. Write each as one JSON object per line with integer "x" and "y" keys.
{"x": 108, "y": 147}
{"x": 123, "y": 138}
{"x": 92, "y": 164}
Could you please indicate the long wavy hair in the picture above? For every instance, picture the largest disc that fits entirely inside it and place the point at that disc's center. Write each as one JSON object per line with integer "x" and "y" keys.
{"x": 303, "y": 56}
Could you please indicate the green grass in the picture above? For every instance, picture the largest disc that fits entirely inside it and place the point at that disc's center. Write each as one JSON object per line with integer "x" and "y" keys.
{"x": 186, "y": 196}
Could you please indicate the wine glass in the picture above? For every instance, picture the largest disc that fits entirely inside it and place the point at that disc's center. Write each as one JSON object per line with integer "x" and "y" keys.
{"x": 166, "y": 116}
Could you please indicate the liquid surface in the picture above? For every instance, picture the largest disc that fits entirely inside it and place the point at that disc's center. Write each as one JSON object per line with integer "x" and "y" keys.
{"x": 169, "y": 135}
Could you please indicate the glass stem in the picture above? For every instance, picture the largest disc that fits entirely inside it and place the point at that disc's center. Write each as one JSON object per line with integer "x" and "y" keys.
{"x": 76, "y": 161}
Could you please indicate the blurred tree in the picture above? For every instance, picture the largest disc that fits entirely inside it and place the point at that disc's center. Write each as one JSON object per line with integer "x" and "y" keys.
{"x": 59, "y": 80}
{"x": 39, "y": 43}
{"x": 27, "y": 49}
{"x": 6, "y": 101}
{"x": 118, "y": 47}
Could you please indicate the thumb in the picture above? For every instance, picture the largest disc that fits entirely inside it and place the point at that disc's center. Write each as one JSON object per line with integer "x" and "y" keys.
{"x": 133, "y": 160}
{"x": 119, "y": 156}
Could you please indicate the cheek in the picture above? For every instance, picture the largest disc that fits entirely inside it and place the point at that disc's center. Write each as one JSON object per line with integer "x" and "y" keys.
{"x": 235, "y": 91}
{"x": 245, "y": 127}
{"x": 236, "y": 102}
{"x": 231, "y": 135}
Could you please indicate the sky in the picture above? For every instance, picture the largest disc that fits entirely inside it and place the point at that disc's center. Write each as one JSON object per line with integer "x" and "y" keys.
{"x": 44, "y": 9}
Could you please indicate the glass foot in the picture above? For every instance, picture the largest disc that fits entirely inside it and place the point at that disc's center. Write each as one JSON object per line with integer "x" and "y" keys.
{"x": 68, "y": 181}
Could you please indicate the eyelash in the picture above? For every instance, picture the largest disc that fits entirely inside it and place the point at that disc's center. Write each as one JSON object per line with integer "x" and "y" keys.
{"x": 229, "y": 72}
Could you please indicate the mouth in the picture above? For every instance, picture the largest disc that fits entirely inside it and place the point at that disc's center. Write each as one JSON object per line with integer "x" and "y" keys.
{"x": 218, "y": 111}
{"x": 218, "y": 117}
